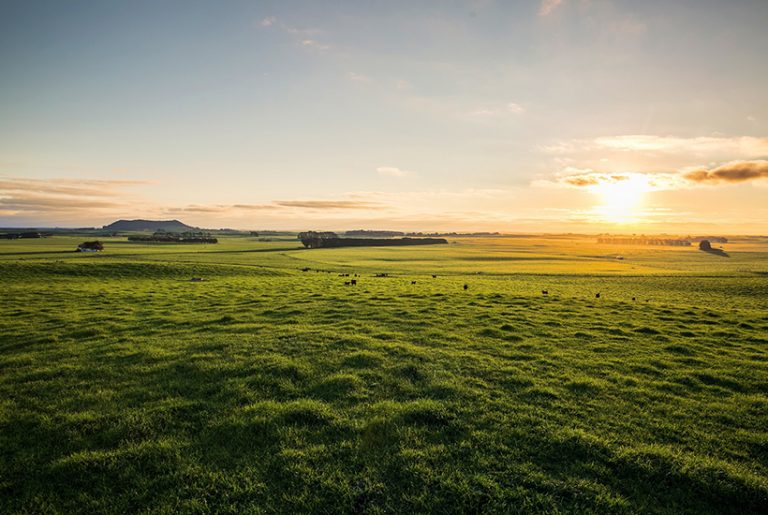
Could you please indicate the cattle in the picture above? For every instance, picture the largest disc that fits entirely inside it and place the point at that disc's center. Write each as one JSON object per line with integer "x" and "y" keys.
{"x": 597, "y": 295}
{"x": 413, "y": 282}
{"x": 544, "y": 292}
{"x": 634, "y": 299}
{"x": 346, "y": 283}
{"x": 353, "y": 282}
{"x": 434, "y": 276}
{"x": 466, "y": 287}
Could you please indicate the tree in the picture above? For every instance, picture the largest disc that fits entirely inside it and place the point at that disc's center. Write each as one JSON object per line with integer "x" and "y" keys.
{"x": 313, "y": 239}
{"x": 705, "y": 245}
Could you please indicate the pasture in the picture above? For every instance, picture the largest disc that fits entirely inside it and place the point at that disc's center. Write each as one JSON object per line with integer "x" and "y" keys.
{"x": 124, "y": 387}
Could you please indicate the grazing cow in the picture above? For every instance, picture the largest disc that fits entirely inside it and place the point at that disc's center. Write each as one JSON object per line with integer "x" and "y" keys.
{"x": 466, "y": 287}
{"x": 353, "y": 282}
{"x": 346, "y": 283}
{"x": 544, "y": 292}
{"x": 633, "y": 299}
{"x": 434, "y": 276}
{"x": 413, "y": 282}
{"x": 597, "y": 295}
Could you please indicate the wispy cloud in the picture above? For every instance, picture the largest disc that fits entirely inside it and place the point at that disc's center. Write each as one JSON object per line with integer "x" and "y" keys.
{"x": 276, "y": 206}
{"x": 268, "y": 21}
{"x": 744, "y": 147}
{"x": 42, "y": 203}
{"x": 312, "y": 43}
{"x": 329, "y": 204}
{"x": 594, "y": 180}
{"x": 82, "y": 187}
{"x": 547, "y": 7}
{"x": 747, "y": 146}
{"x": 358, "y": 77}
{"x": 308, "y": 35}
{"x": 255, "y": 207}
{"x": 392, "y": 171}
{"x": 497, "y": 112}
{"x": 57, "y": 196}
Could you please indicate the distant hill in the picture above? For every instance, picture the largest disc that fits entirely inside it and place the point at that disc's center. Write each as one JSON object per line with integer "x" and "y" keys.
{"x": 149, "y": 225}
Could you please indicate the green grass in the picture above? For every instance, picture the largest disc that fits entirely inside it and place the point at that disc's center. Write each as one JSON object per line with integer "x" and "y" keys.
{"x": 124, "y": 387}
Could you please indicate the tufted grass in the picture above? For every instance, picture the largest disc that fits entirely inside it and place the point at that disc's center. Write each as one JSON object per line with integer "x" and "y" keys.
{"x": 124, "y": 387}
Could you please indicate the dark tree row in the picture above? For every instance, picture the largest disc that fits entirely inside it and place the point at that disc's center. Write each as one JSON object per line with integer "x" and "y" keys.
{"x": 646, "y": 241}
{"x": 313, "y": 240}
{"x": 172, "y": 237}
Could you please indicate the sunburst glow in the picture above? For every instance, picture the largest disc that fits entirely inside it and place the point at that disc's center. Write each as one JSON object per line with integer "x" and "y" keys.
{"x": 621, "y": 199}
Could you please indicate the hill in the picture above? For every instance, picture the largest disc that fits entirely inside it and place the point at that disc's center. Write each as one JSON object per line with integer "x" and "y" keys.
{"x": 149, "y": 225}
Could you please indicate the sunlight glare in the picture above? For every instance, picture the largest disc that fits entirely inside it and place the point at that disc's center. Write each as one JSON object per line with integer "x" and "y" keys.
{"x": 621, "y": 199}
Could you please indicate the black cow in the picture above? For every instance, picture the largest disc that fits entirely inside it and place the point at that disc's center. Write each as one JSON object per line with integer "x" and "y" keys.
{"x": 597, "y": 295}
{"x": 353, "y": 282}
{"x": 466, "y": 287}
{"x": 544, "y": 292}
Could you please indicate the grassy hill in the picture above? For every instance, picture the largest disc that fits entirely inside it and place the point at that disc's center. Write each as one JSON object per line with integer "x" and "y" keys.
{"x": 149, "y": 225}
{"x": 125, "y": 387}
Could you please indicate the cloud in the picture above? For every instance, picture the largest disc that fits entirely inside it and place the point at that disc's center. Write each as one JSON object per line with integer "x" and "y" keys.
{"x": 744, "y": 146}
{"x": 391, "y": 171}
{"x": 510, "y": 109}
{"x": 222, "y": 208}
{"x": 84, "y": 187}
{"x": 589, "y": 179}
{"x": 268, "y": 21}
{"x": 328, "y": 204}
{"x": 357, "y": 77}
{"x": 311, "y": 43}
{"x": 55, "y": 197}
{"x": 732, "y": 172}
{"x": 43, "y": 203}
{"x": 195, "y": 208}
{"x": 276, "y": 206}
{"x": 735, "y": 171}
{"x": 254, "y": 207}
{"x": 548, "y": 6}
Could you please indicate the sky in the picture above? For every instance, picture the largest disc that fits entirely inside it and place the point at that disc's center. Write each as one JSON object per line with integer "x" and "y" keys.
{"x": 454, "y": 115}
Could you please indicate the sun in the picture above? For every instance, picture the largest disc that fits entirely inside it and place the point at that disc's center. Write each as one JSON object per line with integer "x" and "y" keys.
{"x": 621, "y": 198}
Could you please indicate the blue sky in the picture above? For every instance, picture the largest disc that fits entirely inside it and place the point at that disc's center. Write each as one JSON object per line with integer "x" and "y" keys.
{"x": 405, "y": 115}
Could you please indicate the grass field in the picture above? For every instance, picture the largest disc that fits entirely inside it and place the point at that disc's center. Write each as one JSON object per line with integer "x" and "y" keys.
{"x": 124, "y": 387}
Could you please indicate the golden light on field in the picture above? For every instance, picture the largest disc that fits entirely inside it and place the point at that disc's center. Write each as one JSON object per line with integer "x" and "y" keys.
{"x": 621, "y": 199}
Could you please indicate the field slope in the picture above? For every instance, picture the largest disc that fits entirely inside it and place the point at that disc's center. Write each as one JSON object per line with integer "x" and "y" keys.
{"x": 124, "y": 387}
